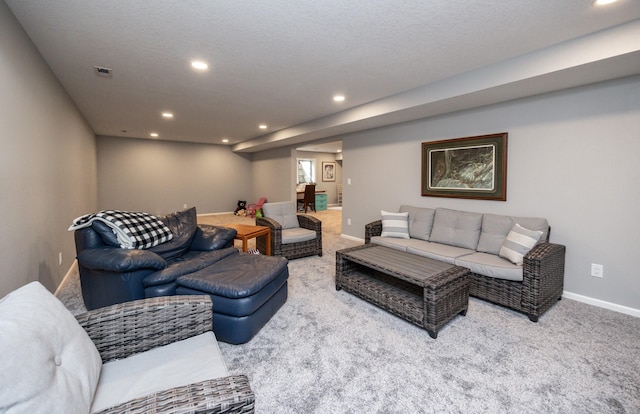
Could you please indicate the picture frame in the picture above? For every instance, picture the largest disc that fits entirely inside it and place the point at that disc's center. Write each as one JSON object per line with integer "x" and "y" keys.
{"x": 328, "y": 171}
{"x": 470, "y": 167}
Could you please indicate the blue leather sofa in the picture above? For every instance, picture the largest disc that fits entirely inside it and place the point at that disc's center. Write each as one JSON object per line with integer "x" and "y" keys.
{"x": 246, "y": 289}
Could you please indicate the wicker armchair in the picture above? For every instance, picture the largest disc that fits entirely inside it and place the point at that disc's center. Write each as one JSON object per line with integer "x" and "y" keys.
{"x": 128, "y": 328}
{"x": 291, "y": 250}
{"x": 541, "y": 287}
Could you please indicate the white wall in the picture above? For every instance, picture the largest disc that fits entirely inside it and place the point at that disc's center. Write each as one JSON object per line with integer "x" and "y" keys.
{"x": 573, "y": 158}
{"x": 160, "y": 177}
{"x": 47, "y": 165}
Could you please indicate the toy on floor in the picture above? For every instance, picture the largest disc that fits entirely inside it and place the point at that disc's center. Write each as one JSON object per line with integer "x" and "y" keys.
{"x": 241, "y": 210}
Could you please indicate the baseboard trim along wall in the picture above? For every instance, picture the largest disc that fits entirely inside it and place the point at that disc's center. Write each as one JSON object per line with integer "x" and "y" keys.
{"x": 602, "y": 304}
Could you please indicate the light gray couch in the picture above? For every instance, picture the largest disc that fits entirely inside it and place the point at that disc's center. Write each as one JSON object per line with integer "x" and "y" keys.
{"x": 492, "y": 247}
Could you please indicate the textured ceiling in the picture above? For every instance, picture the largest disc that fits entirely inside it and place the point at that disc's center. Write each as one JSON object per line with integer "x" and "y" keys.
{"x": 280, "y": 62}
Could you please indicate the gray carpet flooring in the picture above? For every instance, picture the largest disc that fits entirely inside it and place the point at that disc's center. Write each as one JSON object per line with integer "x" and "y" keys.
{"x": 330, "y": 352}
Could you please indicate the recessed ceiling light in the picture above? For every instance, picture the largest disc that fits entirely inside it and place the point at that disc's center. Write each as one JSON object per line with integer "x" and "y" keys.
{"x": 225, "y": 140}
{"x": 604, "y": 2}
{"x": 154, "y": 134}
{"x": 167, "y": 115}
{"x": 197, "y": 64}
{"x": 262, "y": 126}
{"x": 338, "y": 98}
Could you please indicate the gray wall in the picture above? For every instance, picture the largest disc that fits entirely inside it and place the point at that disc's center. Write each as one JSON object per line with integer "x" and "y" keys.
{"x": 160, "y": 177}
{"x": 272, "y": 175}
{"x": 573, "y": 158}
{"x": 47, "y": 165}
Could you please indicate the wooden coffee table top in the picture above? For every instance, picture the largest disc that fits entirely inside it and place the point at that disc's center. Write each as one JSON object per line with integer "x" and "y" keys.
{"x": 248, "y": 230}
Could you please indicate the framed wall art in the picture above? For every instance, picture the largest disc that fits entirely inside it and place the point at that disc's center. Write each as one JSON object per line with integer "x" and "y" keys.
{"x": 328, "y": 171}
{"x": 471, "y": 167}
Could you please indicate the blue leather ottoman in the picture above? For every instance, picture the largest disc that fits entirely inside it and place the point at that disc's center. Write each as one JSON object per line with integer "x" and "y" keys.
{"x": 246, "y": 290}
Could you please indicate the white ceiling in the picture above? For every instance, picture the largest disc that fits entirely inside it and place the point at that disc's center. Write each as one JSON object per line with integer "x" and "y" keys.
{"x": 280, "y": 62}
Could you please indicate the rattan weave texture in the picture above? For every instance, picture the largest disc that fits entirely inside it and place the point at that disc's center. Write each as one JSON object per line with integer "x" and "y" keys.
{"x": 291, "y": 250}
{"x": 541, "y": 287}
{"x": 420, "y": 290}
{"x": 128, "y": 328}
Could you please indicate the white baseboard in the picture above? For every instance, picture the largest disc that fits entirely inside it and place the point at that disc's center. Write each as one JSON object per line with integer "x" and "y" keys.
{"x": 602, "y": 304}
{"x": 346, "y": 236}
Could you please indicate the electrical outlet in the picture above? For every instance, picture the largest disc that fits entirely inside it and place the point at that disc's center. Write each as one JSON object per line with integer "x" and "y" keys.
{"x": 597, "y": 270}
{"x": 348, "y": 222}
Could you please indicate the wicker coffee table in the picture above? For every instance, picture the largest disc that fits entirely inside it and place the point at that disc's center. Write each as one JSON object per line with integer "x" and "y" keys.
{"x": 423, "y": 291}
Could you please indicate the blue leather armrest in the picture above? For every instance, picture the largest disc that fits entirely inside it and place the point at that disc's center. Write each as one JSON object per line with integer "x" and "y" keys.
{"x": 115, "y": 259}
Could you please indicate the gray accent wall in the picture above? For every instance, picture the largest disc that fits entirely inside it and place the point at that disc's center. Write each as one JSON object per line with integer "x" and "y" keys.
{"x": 161, "y": 177}
{"x": 573, "y": 158}
{"x": 47, "y": 165}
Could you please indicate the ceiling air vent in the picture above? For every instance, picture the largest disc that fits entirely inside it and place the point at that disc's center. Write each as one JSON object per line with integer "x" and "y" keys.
{"x": 103, "y": 72}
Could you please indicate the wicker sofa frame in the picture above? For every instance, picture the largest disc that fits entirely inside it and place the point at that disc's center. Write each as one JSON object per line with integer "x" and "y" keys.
{"x": 291, "y": 250}
{"x": 541, "y": 287}
{"x": 121, "y": 330}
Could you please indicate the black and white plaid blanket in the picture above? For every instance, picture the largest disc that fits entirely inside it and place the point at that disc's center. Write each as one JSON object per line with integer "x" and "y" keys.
{"x": 134, "y": 230}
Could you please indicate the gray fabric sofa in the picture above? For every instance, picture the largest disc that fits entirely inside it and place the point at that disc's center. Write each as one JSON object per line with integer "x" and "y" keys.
{"x": 502, "y": 270}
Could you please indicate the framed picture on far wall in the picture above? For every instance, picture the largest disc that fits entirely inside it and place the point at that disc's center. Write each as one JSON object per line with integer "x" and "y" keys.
{"x": 328, "y": 171}
{"x": 472, "y": 167}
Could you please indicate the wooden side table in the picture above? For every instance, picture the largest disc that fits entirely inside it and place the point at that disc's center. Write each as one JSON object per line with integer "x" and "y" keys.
{"x": 248, "y": 231}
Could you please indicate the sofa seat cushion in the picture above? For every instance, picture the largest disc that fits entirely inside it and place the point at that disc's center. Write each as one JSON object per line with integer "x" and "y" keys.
{"x": 495, "y": 229}
{"x": 190, "y": 262}
{"x": 297, "y": 235}
{"x": 438, "y": 251}
{"x": 396, "y": 243}
{"x": 237, "y": 276}
{"x": 48, "y": 362}
{"x": 180, "y": 363}
{"x": 456, "y": 228}
{"x": 490, "y": 265}
{"x": 420, "y": 221}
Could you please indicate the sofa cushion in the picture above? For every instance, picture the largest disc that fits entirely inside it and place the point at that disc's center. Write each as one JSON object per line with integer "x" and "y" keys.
{"x": 190, "y": 262}
{"x": 490, "y": 265}
{"x": 456, "y": 228}
{"x": 395, "y": 224}
{"x": 297, "y": 235}
{"x": 47, "y": 359}
{"x": 518, "y": 243}
{"x": 443, "y": 252}
{"x": 180, "y": 363}
{"x": 106, "y": 233}
{"x": 496, "y": 227}
{"x": 183, "y": 227}
{"x": 284, "y": 212}
{"x": 420, "y": 221}
{"x": 212, "y": 238}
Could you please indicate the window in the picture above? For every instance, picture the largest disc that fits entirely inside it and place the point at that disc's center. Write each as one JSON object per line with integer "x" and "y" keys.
{"x": 306, "y": 171}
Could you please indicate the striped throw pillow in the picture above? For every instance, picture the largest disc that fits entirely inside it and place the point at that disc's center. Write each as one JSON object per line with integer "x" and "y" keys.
{"x": 518, "y": 243}
{"x": 395, "y": 224}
